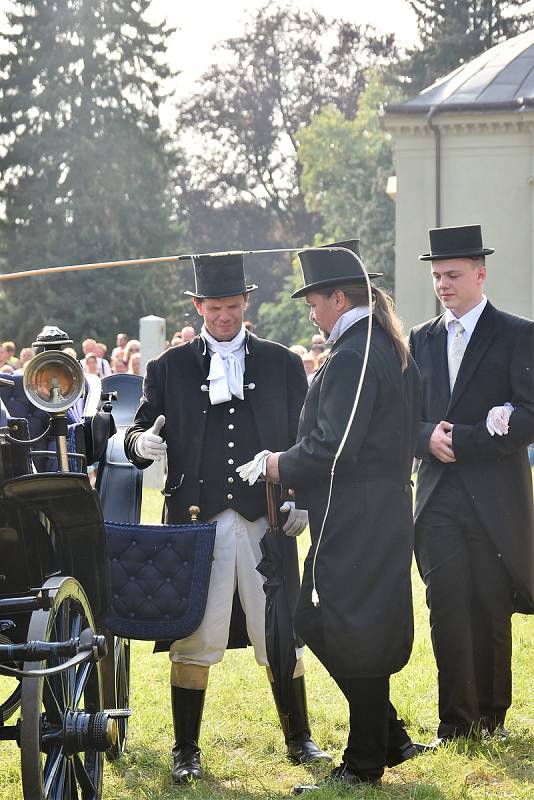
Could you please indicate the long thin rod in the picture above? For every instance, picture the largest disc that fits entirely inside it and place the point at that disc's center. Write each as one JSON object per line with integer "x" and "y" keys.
{"x": 35, "y": 272}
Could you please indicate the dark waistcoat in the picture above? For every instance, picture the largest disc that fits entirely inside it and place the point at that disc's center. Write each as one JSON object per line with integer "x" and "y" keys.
{"x": 231, "y": 438}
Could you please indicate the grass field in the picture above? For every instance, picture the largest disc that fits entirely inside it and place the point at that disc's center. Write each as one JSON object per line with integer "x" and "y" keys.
{"x": 243, "y": 750}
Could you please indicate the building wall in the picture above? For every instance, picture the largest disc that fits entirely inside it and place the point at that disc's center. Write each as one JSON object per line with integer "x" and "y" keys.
{"x": 487, "y": 169}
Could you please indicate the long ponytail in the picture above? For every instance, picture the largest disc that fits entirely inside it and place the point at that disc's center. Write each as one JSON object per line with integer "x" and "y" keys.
{"x": 383, "y": 312}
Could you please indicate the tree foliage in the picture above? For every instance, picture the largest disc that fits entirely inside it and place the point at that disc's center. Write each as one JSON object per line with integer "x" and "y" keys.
{"x": 84, "y": 162}
{"x": 244, "y": 122}
{"x": 345, "y": 166}
{"x": 454, "y": 31}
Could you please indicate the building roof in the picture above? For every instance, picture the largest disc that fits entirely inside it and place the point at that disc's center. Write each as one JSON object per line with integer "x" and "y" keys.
{"x": 501, "y": 78}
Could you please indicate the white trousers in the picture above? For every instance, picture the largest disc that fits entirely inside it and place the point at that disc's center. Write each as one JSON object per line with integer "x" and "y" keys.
{"x": 236, "y": 555}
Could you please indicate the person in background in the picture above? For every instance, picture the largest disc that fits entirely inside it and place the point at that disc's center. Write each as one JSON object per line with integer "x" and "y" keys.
{"x": 12, "y": 359}
{"x": 187, "y": 334}
{"x": 25, "y": 355}
{"x": 134, "y": 364}
{"x": 90, "y": 364}
{"x": 120, "y": 343}
{"x": 118, "y": 365}
{"x": 133, "y": 346}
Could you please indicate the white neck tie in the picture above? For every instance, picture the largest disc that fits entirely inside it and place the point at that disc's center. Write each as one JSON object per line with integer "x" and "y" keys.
{"x": 227, "y": 367}
{"x": 456, "y": 350}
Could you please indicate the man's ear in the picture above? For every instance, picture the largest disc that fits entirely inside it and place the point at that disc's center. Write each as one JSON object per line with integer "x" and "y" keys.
{"x": 199, "y": 306}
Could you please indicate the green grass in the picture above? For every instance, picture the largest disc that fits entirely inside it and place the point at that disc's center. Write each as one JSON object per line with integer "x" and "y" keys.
{"x": 243, "y": 750}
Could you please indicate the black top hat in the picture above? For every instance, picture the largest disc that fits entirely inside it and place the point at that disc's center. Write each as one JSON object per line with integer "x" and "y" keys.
{"x": 219, "y": 275}
{"x": 320, "y": 270}
{"x": 462, "y": 241}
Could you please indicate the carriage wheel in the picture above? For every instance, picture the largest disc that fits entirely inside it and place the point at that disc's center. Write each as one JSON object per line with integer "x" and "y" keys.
{"x": 116, "y": 679}
{"x": 60, "y": 757}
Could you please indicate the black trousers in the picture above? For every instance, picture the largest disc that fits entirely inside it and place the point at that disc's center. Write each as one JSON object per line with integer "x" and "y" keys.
{"x": 470, "y": 600}
{"x": 376, "y": 734}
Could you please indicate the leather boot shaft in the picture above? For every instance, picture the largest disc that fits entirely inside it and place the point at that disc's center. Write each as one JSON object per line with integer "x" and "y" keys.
{"x": 187, "y": 708}
{"x": 296, "y": 727}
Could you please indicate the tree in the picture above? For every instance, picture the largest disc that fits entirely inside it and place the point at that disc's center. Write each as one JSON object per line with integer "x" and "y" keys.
{"x": 245, "y": 120}
{"x": 454, "y": 31}
{"x": 345, "y": 165}
{"x": 85, "y": 163}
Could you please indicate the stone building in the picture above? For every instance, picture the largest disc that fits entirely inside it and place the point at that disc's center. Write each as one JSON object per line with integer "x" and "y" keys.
{"x": 464, "y": 153}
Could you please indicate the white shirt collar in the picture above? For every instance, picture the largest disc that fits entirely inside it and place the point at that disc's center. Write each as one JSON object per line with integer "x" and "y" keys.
{"x": 469, "y": 320}
{"x": 346, "y": 320}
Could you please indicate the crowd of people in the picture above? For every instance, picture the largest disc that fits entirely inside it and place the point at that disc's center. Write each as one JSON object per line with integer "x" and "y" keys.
{"x": 126, "y": 355}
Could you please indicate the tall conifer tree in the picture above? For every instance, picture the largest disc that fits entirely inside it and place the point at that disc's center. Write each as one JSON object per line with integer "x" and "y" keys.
{"x": 84, "y": 162}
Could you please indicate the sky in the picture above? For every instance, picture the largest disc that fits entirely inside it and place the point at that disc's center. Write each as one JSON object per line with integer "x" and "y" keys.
{"x": 202, "y": 23}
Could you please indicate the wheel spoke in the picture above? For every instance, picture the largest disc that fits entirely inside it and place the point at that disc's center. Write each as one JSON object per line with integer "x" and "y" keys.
{"x": 54, "y": 711}
{"x": 54, "y": 774}
{"x": 86, "y": 784}
{"x": 72, "y": 793}
{"x": 54, "y": 761}
{"x": 81, "y": 678}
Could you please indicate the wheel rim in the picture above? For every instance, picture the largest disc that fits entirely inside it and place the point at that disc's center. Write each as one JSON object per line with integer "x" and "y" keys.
{"x": 116, "y": 680}
{"x": 48, "y": 772}
{"x": 122, "y": 682}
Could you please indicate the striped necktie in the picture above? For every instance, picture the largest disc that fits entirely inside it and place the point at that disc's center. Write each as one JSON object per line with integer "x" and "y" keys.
{"x": 456, "y": 350}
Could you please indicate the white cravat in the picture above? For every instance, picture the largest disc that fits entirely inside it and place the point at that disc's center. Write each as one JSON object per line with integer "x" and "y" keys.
{"x": 456, "y": 350}
{"x": 227, "y": 366}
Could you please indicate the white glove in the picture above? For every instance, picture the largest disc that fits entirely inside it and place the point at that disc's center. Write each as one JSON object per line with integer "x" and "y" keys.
{"x": 150, "y": 445}
{"x": 498, "y": 418}
{"x": 252, "y": 470}
{"x": 297, "y": 519}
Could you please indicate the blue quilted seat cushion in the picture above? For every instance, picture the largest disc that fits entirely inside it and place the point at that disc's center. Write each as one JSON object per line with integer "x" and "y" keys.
{"x": 159, "y": 578}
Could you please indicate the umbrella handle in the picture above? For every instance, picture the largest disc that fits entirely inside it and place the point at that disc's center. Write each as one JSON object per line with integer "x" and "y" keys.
{"x": 272, "y": 511}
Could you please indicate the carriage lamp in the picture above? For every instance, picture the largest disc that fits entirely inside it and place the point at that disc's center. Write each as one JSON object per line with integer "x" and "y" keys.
{"x": 54, "y": 381}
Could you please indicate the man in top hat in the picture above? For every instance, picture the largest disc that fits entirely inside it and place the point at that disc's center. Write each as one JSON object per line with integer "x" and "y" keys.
{"x": 210, "y": 405}
{"x": 355, "y": 604}
{"x": 474, "y": 516}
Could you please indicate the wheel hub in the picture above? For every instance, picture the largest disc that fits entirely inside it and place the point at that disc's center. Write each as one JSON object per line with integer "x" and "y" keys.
{"x": 83, "y": 732}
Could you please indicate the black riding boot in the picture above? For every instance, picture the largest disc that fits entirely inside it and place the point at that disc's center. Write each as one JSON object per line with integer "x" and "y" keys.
{"x": 187, "y": 707}
{"x": 296, "y": 727}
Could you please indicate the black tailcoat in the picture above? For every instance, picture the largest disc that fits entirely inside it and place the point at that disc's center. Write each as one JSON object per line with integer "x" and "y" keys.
{"x": 497, "y": 367}
{"x": 173, "y": 387}
{"x": 364, "y": 624}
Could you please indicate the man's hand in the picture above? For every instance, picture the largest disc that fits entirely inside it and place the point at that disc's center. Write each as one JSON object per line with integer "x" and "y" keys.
{"x": 150, "y": 445}
{"x": 440, "y": 444}
{"x": 271, "y": 470}
{"x": 297, "y": 519}
{"x": 498, "y": 419}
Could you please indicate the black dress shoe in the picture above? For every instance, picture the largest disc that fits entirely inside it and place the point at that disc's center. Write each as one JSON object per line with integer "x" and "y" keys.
{"x": 303, "y": 750}
{"x": 407, "y": 751}
{"x": 186, "y": 766}
{"x": 342, "y": 774}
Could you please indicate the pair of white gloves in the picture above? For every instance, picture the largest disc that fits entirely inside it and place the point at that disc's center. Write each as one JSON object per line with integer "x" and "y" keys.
{"x": 151, "y": 447}
{"x": 498, "y": 419}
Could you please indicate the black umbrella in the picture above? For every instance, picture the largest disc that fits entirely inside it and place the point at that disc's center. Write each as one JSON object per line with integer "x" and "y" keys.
{"x": 279, "y": 636}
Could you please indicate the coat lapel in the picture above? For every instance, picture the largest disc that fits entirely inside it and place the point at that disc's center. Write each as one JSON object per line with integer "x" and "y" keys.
{"x": 437, "y": 346}
{"x": 476, "y": 349}
{"x": 259, "y": 397}
{"x": 200, "y": 354}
